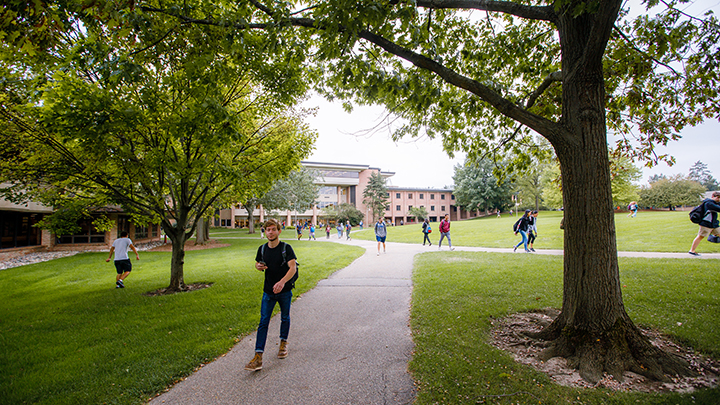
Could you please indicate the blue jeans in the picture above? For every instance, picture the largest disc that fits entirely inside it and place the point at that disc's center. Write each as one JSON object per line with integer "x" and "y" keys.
{"x": 523, "y": 241}
{"x": 266, "y": 310}
{"x": 444, "y": 235}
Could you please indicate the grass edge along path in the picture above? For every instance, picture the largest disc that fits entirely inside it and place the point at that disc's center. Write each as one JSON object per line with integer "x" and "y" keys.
{"x": 457, "y": 295}
{"x": 67, "y": 336}
{"x": 650, "y": 231}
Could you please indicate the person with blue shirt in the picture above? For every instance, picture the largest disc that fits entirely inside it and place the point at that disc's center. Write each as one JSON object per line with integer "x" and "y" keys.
{"x": 522, "y": 226}
{"x": 380, "y": 234}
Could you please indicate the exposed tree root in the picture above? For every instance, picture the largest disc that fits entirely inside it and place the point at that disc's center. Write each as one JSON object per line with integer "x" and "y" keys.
{"x": 622, "y": 348}
{"x": 183, "y": 288}
{"x": 618, "y": 373}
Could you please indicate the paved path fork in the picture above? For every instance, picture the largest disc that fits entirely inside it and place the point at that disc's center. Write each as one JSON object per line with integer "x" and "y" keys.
{"x": 349, "y": 343}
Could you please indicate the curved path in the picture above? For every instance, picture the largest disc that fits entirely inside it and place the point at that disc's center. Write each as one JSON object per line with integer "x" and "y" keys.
{"x": 349, "y": 343}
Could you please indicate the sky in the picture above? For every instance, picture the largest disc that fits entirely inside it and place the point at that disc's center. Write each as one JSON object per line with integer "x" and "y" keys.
{"x": 361, "y": 137}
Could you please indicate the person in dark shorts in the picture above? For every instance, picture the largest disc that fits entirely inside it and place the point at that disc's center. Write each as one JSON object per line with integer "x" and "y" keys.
{"x": 123, "y": 265}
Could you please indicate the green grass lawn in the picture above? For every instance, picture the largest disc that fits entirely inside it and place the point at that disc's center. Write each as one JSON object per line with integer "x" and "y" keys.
{"x": 67, "y": 336}
{"x": 458, "y": 294}
{"x": 651, "y": 231}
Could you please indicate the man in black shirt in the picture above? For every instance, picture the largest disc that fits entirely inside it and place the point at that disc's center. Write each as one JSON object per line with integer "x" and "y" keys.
{"x": 709, "y": 224}
{"x": 277, "y": 259}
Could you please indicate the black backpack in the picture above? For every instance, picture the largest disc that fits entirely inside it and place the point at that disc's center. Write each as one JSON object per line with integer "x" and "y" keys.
{"x": 284, "y": 256}
{"x": 697, "y": 214}
{"x": 517, "y": 225}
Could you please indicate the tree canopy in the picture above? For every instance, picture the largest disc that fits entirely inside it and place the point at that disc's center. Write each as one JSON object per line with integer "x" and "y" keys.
{"x": 165, "y": 132}
{"x": 477, "y": 188}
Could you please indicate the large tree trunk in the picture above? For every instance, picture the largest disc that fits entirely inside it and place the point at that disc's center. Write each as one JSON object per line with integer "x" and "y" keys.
{"x": 593, "y": 330}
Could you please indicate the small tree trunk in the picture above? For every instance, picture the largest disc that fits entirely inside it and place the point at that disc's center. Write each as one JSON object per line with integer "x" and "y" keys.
{"x": 200, "y": 233}
{"x": 178, "y": 238}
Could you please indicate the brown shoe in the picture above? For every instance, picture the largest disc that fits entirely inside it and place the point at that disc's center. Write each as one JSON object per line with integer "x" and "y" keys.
{"x": 283, "y": 352}
{"x": 255, "y": 364}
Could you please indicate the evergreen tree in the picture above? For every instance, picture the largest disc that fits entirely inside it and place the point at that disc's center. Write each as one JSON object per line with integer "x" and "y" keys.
{"x": 375, "y": 195}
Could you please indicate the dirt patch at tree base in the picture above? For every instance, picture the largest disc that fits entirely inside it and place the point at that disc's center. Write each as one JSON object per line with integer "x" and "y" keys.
{"x": 188, "y": 288}
{"x": 190, "y": 245}
{"x": 508, "y": 335}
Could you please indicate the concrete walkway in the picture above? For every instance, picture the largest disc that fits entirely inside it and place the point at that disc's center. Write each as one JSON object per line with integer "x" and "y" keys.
{"x": 349, "y": 342}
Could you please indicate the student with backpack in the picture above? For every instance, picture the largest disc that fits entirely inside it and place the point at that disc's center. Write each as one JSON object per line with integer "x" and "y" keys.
{"x": 707, "y": 220}
{"x": 426, "y": 232}
{"x": 277, "y": 259}
{"x": 445, "y": 232}
{"x": 633, "y": 208}
{"x": 521, "y": 226}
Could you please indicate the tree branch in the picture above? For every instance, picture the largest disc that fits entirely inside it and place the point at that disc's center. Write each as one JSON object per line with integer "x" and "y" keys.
{"x": 550, "y": 79}
{"x": 544, "y": 13}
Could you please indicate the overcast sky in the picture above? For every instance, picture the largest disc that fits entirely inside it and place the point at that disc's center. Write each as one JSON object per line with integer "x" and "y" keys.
{"x": 361, "y": 137}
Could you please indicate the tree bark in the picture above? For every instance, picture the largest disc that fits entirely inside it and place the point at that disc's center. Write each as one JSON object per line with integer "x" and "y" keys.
{"x": 202, "y": 231}
{"x": 593, "y": 330}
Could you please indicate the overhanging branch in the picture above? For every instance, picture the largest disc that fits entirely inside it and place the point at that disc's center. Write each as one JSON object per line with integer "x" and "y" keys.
{"x": 543, "y": 13}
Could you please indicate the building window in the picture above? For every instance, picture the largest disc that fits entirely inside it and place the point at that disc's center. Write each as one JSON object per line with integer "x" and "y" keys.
{"x": 156, "y": 228}
{"x": 432, "y": 196}
{"x": 141, "y": 232}
{"x": 452, "y": 197}
{"x": 442, "y": 208}
{"x": 442, "y": 196}
{"x": 409, "y": 195}
{"x": 422, "y": 196}
{"x": 397, "y": 208}
{"x": 397, "y": 195}
{"x": 432, "y": 208}
{"x": 409, "y": 206}
{"x": 325, "y": 190}
{"x": 87, "y": 234}
{"x": 17, "y": 229}
{"x": 387, "y": 195}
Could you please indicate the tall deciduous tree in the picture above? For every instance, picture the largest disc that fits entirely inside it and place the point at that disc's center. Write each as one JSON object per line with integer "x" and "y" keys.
{"x": 165, "y": 131}
{"x": 375, "y": 195}
{"x": 419, "y": 213}
{"x": 672, "y": 192}
{"x": 477, "y": 188}
{"x": 296, "y": 192}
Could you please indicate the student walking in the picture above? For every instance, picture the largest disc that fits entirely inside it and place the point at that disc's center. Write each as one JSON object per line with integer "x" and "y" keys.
{"x": 532, "y": 230}
{"x": 298, "y": 229}
{"x": 522, "y": 225}
{"x": 445, "y": 232}
{"x": 339, "y": 230}
{"x": 327, "y": 230}
{"x": 426, "y": 232}
{"x": 123, "y": 265}
{"x": 277, "y": 259}
{"x": 709, "y": 224}
{"x": 348, "y": 228}
{"x": 380, "y": 234}
{"x": 312, "y": 232}
{"x": 633, "y": 208}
